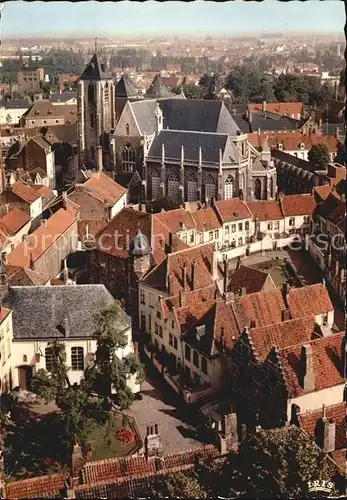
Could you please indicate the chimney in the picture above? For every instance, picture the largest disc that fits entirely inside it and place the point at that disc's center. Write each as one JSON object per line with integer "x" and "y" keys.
{"x": 77, "y": 461}
{"x": 153, "y": 444}
{"x": 228, "y": 439}
{"x": 99, "y": 159}
{"x": 308, "y": 383}
{"x": 65, "y": 272}
{"x": 285, "y": 315}
{"x": 4, "y": 258}
{"x": 326, "y": 433}
{"x": 64, "y": 199}
{"x": 264, "y": 106}
{"x": 225, "y": 274}
{"x": 214, "y": 265}
{"x": 194, "y": 275}
{"x": 107, "y": 212}
{"x": 79, "y": 188}
{"x": 184, "y": 276}
{"x": 182, "y": 298}
{"x": 44, "y": 222}
{"x": 229, "y": 297}
{"x": 243, "y": 291}
{"x": 285, "y": 291}
{"x": 7, "y": 205}
{"x": 170, "y": 284}
{"x": 66, "y": 326}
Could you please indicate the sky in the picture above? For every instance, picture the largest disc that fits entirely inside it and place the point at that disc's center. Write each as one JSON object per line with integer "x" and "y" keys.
{"x": 20, "y": 19}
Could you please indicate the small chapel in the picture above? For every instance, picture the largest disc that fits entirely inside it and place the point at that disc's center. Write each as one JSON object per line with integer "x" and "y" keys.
{"x": 161, "y": 145}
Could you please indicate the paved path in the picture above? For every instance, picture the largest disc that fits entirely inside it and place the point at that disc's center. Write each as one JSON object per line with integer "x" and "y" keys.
{"x": 158, "y": 408}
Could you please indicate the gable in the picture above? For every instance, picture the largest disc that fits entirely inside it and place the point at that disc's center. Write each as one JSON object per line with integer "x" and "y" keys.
{"x": 127, "y": 117}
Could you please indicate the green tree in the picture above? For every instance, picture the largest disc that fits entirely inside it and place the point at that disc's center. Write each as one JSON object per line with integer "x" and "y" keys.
{"x": 192, "y": 91}
{"x": 276, "y": 464}
{"x": 319, "y": 155}
{"x": 248, "y": 84}
{"x": 179, "y": 485}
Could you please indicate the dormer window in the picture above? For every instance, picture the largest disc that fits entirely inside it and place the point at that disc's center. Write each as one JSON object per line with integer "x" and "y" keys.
{"x": 302, "y": 146}
{"x": 280, "y": 146}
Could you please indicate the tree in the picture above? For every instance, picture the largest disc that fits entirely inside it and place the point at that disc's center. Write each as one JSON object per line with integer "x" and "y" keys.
{"x": 179, "y": 485}
{"x": 248, "y": 84}
{"x": 319, "y": 155}
{"x": 192, "y": 91}
{"x": 276, "y": 464}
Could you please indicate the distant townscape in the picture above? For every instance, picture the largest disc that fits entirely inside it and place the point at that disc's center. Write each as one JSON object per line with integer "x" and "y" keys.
{"x": 173, "y": 267}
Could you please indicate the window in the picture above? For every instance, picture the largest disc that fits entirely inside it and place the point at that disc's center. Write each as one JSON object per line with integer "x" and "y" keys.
{"x": 25, "y": 358}
{"x": 156, "y": 329}
{"x": 325, "y": 319}
{"x": 172, "y": 324}
{"x": 187, "y": 371}
{"x": 142, "y": 297}
{"x": 204, "y": 365}
{"x": 106, "y": 92}
{"x": 170, "y": 339}
{"x": 195, "y": 359}
{"x": 240, "y": 226}
{"x": 128, "y": 158}
{"x": 277, "y": 225}
{"x": 158, "y": 315}
{"x": 210, "y": 235}
{"x": 210, "y": 187}
{"x": 257, "y": 189}
{"x": 192, "y": 185}
{"x": 161, "y": 332}
{"x": 127, "y": 129}
{"x": 150, "y": 322}
{"x": 174, "y": 187}
{"x": 175, "y": 343}
{"x": 247, "y": 225}
{"x": 233, "y": 228}
{"x": 240, "y": 242}
{"x": 272, "y": 187}
{"x": 143, "y": 322}
{"x": 49, "y": 358}
{"x": 91, "y": 93}
{"x": 184, "y": 237}
{"x": 306, "y": 219}
{"x": 191, "y": 237}
{"x": 216, "y": 235}
{"x": 292, "y": 221}
{"x": 229, "y": 188}
{"x": 226, "y": 229}
{"x": 91, "y": 120}
{"x": 77, "y": 358}
{"x": 187, "y": 352}
{"x": 155, "y": 184}
{"x": 269, "y": 226}
{"x": 197, "y": 379}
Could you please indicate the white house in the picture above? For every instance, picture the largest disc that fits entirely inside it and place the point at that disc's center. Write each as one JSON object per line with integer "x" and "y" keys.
{"x": 39, "y": 314}
{"x": 11, "y": 111}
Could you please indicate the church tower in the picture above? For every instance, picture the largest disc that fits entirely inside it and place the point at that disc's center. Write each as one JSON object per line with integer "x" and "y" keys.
{"x": 96, "y": 114}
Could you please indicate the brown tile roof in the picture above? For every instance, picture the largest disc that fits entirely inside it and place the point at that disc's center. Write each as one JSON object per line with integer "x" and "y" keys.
{"x": 298, "y": 204}
{"x": 25, "y": 192}
{"x": 14, "y": 220}
{"x": 69, "y": 111}
{"x": 36, "y": 486}
{"x": 327, "y": 364}
{"x": 206, "y": 219}
{"x": 338, "y": 214}
{"x": 41, "y": 239}
{"x": 102, "y": 187}
{"x": 340, "y": 458}
{"x": 72, "y": 208}
{"x": 248, "y": 277}
{"x": 173, "y": 264}
{"x": 282, "y": 335}
{"x": 335, "y": 413}
{"x": 94, "y": 227}
{"x": 309, "y": 300}
{"x": 41, "y": 141}
{"x": 3, "y": 313}
{"x": 125, "y": 225}
{"x": 22, "y": 276}
{"x": 44, "y": 191}
{"x": 173, "y": 219}
{"x": 66, "y": 133}
{"x": 43, "y": 109}
{"x": 321, "y": 192}
{"x": 291, "y": 141}
{"x": 282, "y": 108}
{"x": 234, "y": 209}
{"x": 266, "y": 210}
{"x": 264, "y": 308}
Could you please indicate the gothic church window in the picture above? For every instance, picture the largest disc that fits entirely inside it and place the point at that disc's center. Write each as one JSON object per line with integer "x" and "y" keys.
{"x": 106, "y": 92}
{"x": 229, "y": 188}
{"x": 155, "y": 184}
{"x": 92, "y": 120}
{"x": 91, "y": 94}
{"x": 128, "y": 158}
{"x": 192, "y": 187}
{"x": 127, "y": 129}
{"x": 210, "y": 187}
{"x": 173, "y": 187}
{"x": 257, "y": 189}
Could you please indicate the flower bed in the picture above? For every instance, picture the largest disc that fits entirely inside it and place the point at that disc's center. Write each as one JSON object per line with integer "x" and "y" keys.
{"x": 125, "y": 435}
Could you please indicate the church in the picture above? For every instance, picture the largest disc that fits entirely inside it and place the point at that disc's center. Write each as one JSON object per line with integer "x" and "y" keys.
{"x": 166, "y": 146}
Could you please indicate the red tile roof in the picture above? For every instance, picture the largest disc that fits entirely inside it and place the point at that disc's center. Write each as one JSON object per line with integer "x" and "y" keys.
{"x": 266, "y": 210}
{"x": 3, "y": 313}
{"x": 206, "y": 219}
{"x": 282, "y": 108}
{"x": 298, "y": 204}
{"x": 327, "y": 364}
{"x": 41, "y": 239}
{"x": 233, "y": 209}
{"x": 14, "y": 220}
{"x": 102, "y": 187}
{"x": 25, "y": 192}
{"x": 309, "y": 300}
{"x": 36, "y": 486}
{"x": 292, "y": 141}
{"x": 264, "y": 308}
{"x": 282, "y": 335}
{"x": 335, "y": 413}
{"x": 322, "y": 192}
{"x": 173, "y": 219}
{"x": 248, "y": 277}
{"x": 198, "y": 302}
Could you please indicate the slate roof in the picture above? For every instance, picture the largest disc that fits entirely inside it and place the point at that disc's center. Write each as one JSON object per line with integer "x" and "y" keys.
{"x": 185, "y": 114}
{"x": 95, "y": 70}
{"x": 125, "y": 88}
{"x": 58, "y": 311}
{"x": 266, "y": 123}
{"x": 15, "y": 104}
{"x": 210, "y": 144}
{"x": 157, "y": 88}
{"x": 62, "y": 96}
